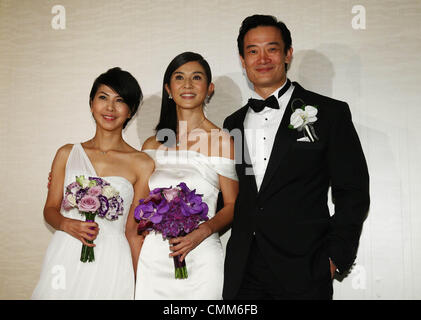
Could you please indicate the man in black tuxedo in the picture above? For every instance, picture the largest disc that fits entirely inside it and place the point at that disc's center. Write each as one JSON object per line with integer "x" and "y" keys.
{"x": 284, "y": 243}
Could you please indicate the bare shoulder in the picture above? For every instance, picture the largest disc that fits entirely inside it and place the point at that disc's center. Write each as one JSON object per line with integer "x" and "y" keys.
{"x": 214, "y": 129}
{"x": 142, "y": 162}
{"x": 64, "y": 151}
{"x": 151, "y": 143}
{"x": 60, "y": 159}
{"x": 222, "y": 143}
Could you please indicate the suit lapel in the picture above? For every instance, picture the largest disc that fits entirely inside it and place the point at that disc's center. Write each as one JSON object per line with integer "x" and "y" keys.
{"x": 283, "y": 140}
{"x": 244, "y": 168}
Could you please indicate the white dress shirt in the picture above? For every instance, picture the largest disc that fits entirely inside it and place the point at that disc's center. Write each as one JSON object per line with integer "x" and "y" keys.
{"x": 260, "y": 131}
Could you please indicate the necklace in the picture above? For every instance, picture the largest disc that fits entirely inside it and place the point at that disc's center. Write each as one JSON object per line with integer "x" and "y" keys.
{"x": 104, "y": 153}
{"x": 197, "y": 126}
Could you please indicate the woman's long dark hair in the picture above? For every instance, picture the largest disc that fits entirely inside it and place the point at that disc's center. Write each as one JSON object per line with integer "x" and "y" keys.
{"x": 168, "y": 118}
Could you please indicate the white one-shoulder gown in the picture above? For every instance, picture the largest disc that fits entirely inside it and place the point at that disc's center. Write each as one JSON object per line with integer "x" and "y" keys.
{"x": 111, "y": 275}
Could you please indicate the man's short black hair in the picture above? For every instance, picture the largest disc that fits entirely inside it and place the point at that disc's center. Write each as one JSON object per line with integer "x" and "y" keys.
{"x": 258, "y": 20}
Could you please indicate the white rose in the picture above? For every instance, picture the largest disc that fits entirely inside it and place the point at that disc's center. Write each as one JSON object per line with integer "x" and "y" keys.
{"x": 297, "y": 119}
{"x": 311, "y": 113}
{"x": 109, "y": 192}
{"x": 302, "y": 117}
{"x": 84, "y": 182}
{"x": 72, "y": 200}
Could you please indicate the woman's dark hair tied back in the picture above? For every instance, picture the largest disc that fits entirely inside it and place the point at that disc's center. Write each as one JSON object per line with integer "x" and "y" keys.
{"x": 168, "y": 117}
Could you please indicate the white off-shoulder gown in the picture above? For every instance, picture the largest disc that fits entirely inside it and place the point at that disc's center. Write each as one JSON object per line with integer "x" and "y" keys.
{"x": 205, "y": 264}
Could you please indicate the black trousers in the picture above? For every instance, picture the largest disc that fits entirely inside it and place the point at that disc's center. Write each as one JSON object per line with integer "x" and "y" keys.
{"x": 259, "y": 282}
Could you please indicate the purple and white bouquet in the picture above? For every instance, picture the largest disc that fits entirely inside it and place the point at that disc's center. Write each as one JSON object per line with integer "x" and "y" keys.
{"x": 173, "y": 212}
{"x": 92, "y": 196}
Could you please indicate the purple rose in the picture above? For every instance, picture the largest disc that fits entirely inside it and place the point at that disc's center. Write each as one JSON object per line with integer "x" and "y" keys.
{"x": 170, "y": 194}
{"x": 73, "y": 187}
{"x": 143, "y": 210}
{"x": 80, "y": 194}
{"x": 154, "y": 197}
{"x": 95, "y": 191}
{"x": 69, "y": 202}
{"x": 89, "y": 204}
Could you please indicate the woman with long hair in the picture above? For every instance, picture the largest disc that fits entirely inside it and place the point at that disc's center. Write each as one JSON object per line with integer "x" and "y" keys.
{"x": 188, "y": 148}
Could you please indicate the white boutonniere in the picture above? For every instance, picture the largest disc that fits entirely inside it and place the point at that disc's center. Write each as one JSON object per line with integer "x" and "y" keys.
{"x": 302, "y": 119}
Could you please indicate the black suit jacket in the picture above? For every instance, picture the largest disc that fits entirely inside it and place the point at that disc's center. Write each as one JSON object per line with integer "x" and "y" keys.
{"x": 289, "y": 215}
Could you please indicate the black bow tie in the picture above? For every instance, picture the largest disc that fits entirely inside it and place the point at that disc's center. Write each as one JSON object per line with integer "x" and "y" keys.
{"x": 272, "y": 102}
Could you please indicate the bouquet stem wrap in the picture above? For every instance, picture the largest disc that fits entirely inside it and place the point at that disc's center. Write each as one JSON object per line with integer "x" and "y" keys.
{"x": 87, "y": 254}
{"x": 180, "y": 268}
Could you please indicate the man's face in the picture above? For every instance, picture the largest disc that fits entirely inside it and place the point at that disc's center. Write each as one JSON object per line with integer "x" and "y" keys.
{"x": 265, "y": 58}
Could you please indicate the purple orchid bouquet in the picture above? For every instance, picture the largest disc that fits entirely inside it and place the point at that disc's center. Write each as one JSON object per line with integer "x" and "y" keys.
{"x": 173, "y": 212}
{"x": 92, "y": 196}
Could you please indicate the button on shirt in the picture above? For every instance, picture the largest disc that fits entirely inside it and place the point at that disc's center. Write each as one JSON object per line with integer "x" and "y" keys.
{"x": 260, "y": 131}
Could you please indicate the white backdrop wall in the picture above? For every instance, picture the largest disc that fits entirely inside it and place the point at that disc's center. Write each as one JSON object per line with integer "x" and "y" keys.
{"x": 363, "y": 52}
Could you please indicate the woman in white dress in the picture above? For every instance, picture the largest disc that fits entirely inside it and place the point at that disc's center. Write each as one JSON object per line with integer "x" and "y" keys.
{"x": 188, "y": 148}
{"x": 114, "y": 100}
